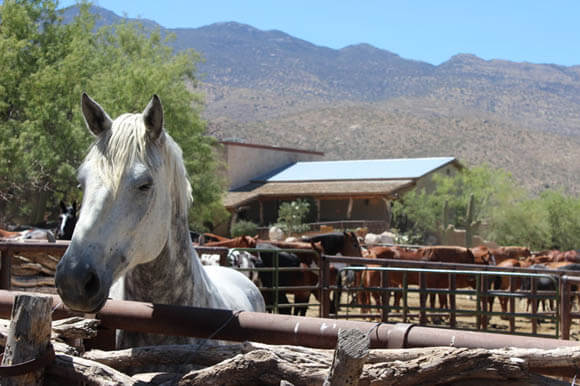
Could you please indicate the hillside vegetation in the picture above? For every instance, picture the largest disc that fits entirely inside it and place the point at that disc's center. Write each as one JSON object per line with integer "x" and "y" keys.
{"x": 363, "y": 102}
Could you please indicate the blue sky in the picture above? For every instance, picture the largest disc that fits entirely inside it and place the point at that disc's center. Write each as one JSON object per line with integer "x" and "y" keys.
{"x": 431, "y": 31}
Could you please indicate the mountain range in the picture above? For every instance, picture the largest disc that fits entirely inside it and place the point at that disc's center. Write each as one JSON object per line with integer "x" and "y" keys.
{"x": 362, "y": 102}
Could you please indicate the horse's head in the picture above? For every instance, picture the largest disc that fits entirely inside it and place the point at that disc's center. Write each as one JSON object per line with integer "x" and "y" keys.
{"x": 129, "y": 180}
{"x": 351, "y": 245}
{"x": 68, "y": 221}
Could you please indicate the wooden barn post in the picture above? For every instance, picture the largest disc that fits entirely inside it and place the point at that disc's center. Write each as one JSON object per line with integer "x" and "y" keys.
{"x": 28, "y": 338}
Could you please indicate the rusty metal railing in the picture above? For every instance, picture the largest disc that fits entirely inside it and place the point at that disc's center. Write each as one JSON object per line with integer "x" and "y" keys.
{"x": 563, "y": 316}
{"x": 480, "y": 292}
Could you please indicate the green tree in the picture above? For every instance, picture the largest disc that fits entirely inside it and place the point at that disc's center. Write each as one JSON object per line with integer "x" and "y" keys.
{"x": 44, "y": 67}
{"x": 549, "y": 221}
{"x": 291, "y": 216}
{"x": 563, "y": 216}
{"x": 523, "y": 223}
{"x": 492, "y": 189}
{"x": 244, "y": 228}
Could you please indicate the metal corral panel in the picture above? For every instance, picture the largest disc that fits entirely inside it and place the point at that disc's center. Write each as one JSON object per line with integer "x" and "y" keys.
{"x": 375, "y": 169}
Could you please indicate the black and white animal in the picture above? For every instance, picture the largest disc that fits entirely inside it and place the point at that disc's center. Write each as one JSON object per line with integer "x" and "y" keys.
{"x": 67, "y": 221}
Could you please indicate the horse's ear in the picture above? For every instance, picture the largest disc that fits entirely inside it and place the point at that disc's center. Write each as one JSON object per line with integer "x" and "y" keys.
{"x": 74, "y": 206}
{"x": 62, "y": 206}
{"x": 153, "y": 118}
{"x": 96, "y": 118}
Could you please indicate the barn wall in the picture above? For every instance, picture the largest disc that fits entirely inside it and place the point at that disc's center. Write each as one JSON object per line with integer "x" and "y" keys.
{"x": 247, "y": 162}
{"x": 331, "y": 210}
{"x": 362, "y": 209}
{"x": 427, "y": 181}
{"x": 369, "y": 209}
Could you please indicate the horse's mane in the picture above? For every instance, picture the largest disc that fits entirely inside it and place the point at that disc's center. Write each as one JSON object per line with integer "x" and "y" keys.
{"x": 127, "y": 142}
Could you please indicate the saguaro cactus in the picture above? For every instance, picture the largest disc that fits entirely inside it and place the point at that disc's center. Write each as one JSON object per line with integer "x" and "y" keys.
{"x": 445, "y": 222}
{"x": 470, "y": 225}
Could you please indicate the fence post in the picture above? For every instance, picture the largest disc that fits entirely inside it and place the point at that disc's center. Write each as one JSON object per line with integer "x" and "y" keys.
{"x": 564, "y": 308}
{"x": 478, "y": 301}
{"x": 6, "y": 268}
{"x": 512, "y": 306}
{"x": 484, "y": 302}
{"x": 452, "y": 303}
{"x": 535, "y": 302}
{"x": 385, "y": 295}
{"x": 404, "y": 296}
{"x": 28, "y": 338}
{"x": 276, "y": 282}
{"x": 422, "y": 298}
{"x": 324, "y": 291}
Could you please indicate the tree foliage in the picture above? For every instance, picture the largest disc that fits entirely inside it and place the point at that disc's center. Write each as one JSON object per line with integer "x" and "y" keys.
{"x": 244, "y": 228}
{"x": 548, "y": 221}
{"x": 291, "y": 216}
{"x": 508, "y": 214}
{"x": 44, "y": 67}
{"x": 423, "y": 208}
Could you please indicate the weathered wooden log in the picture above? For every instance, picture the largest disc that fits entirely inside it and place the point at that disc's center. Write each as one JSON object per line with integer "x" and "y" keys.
{"x": 31, "y": 281}
{"x": 454, "y": 367}
{"x": 351, "y": 352}
{"x": 61, "y": 330}
{"x": 75, "y": 328}
{"x": 42, "y": 258}
{"x": 170, "y": 358}
{"x": 31, "y": 269}
{"x": 158, "y": 378}
{"x": 28, "y": 337}
{"x": 258, "y": 367}
{"x": 299, "y": 365}
{"x": 314, "y": 363}
{"x": 70, "y": 370}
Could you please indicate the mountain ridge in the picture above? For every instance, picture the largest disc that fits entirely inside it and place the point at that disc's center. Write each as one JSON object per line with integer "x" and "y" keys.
{"x": 361, "y": 101}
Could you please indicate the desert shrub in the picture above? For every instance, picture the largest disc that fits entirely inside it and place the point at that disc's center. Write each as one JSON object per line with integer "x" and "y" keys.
{"x": 244, "y": 228}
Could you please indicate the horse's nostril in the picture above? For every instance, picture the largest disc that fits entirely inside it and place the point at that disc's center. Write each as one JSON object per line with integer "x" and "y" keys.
{"x": 92, "y": 284}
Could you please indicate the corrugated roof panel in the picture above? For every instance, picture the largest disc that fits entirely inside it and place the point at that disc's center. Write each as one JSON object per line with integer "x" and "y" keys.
{"x": 375, "y": 169}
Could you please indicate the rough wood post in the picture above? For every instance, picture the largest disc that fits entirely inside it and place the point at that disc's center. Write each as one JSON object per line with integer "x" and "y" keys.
{"x": 350, "y": 355}
{"x": 5, "y": 269}
{"x": 28, "y": 337}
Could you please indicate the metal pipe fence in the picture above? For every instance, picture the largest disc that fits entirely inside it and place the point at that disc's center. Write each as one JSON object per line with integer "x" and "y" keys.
{"x": 481, "y": 293}
{"x": 413, "y": 296}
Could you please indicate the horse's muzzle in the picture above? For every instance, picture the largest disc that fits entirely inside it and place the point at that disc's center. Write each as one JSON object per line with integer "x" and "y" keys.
{"x": 79, "y": 284}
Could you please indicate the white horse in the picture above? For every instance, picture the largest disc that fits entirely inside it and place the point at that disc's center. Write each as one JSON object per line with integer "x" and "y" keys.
{"x": 133, "y": 224}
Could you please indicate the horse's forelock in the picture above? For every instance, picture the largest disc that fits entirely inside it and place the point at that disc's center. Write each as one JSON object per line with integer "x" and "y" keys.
{"x": 126, "y": 143}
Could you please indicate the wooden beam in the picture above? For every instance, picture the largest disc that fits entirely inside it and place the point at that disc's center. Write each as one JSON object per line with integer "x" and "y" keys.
{"x": 349, "y": 209}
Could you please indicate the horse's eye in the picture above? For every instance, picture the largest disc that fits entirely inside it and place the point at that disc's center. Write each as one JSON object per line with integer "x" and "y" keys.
{"x": 80, "y": 186}
{"x": 145, "y": 187}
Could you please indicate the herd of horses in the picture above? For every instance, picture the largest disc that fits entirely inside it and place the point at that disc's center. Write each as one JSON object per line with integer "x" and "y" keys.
{"x": 505, "y": 257}
{"x": 366, "y": 282}
{"x": 303, "y": 255}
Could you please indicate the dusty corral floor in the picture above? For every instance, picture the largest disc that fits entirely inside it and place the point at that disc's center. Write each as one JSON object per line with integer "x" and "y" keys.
{"x": 523, "y": 325}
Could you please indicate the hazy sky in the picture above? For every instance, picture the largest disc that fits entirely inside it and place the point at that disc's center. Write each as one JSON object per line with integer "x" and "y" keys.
{"x": 546, "y": 31}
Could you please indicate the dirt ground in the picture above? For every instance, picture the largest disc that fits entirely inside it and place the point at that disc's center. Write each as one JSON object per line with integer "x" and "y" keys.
{"x": 523, "y": 325}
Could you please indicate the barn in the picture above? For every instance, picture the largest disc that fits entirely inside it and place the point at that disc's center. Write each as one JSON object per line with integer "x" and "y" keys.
{"x": 358, "y": 192}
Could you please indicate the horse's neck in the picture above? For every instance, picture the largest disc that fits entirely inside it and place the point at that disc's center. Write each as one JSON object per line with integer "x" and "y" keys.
{"x": 176, "y": 276}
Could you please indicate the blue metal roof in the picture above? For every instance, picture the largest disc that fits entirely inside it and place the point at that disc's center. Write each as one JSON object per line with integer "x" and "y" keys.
{"x": 374, "y": 169}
